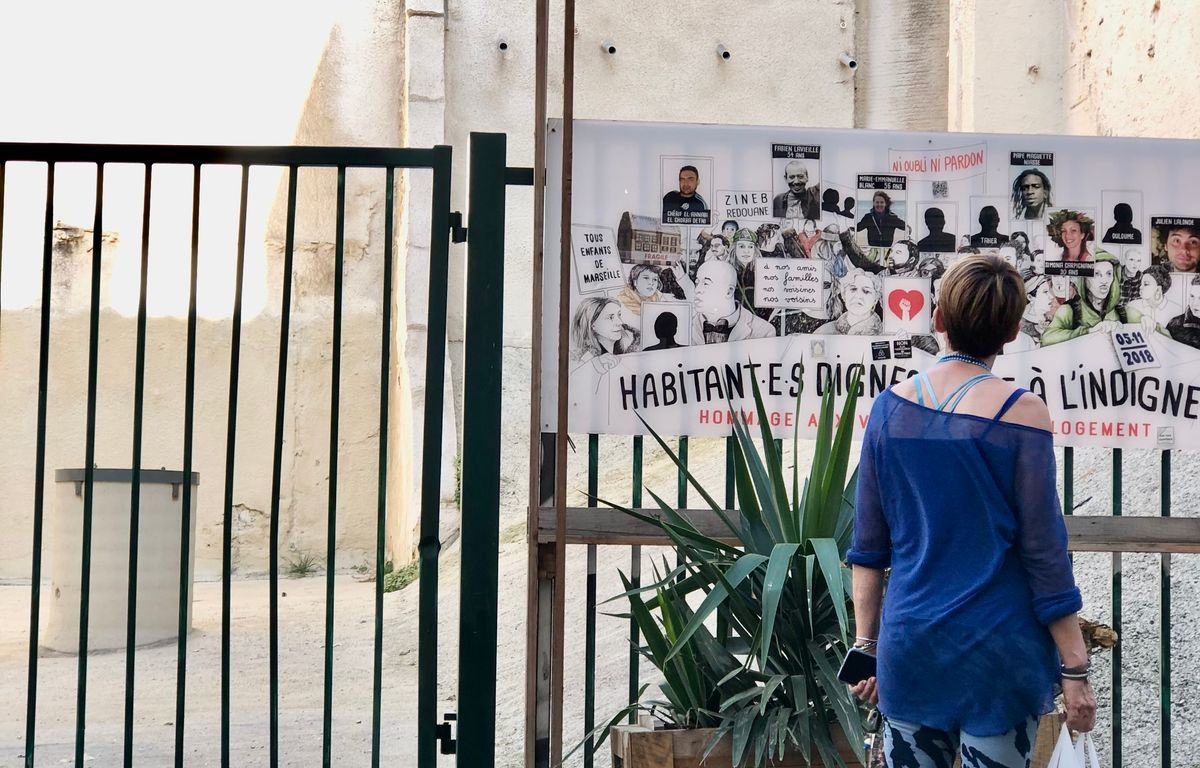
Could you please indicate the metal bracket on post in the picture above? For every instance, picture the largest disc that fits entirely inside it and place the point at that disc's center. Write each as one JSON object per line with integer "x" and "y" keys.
{"x": 448, "y": 744}
{"x": 458, "y": 233}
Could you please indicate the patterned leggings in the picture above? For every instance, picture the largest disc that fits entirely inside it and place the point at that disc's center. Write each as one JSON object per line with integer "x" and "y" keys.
{"x": 908, "y": 745}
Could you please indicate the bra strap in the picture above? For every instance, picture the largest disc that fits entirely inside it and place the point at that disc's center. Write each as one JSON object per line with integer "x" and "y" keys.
{"x": 1016, "y": 395}
{"x": 921, "y": 381}
{"x": 956, "y": 395}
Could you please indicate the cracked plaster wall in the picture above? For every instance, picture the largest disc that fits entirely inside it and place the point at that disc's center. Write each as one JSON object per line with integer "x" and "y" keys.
{"x": 334, "y": 79}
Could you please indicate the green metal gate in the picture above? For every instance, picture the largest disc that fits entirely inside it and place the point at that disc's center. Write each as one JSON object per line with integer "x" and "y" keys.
{"x": 480, "y": 471}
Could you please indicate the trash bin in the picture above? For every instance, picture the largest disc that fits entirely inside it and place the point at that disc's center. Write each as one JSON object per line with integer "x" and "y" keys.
{"x": 161, "y": 511}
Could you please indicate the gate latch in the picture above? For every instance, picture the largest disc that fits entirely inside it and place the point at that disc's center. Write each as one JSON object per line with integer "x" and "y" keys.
{"x": 458, "y": 233}
{"x": 449, "y": 745}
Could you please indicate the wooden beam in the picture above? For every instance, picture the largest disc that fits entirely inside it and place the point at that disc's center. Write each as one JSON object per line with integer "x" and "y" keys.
{"x": 1180, "y": 535}
{"x": 559, "y": 601}
{"x": 537, "y": 704}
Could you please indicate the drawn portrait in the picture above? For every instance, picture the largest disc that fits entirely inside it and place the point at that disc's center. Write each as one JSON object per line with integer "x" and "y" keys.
{"x": 718, "y": 314}
{"x": 1040, "y": 306}
{"x": 861, "y": 293}
{"x": 1185, "y": 327}
{"x": 599, "y": 328}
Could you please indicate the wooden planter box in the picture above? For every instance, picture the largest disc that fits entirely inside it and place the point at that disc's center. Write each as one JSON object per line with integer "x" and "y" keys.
{"x": 641, "y": 746}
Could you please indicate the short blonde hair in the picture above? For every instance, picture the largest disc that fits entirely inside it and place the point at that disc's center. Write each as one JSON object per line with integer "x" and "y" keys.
{"x": 982, "y": 299}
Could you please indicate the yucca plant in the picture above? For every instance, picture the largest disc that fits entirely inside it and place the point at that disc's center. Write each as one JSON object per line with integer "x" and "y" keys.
{"x": 784, "y": 595}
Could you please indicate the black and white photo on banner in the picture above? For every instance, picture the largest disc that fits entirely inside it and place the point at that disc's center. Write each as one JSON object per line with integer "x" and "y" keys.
{"x": 796, "y": 181}
{"x": 888, "y": 196}
{"x": 1032, "y": 184}
{"x": 853, "y": 244}
{"x": 687, "y": 187}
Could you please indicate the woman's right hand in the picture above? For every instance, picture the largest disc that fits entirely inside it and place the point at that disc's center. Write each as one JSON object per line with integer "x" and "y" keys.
{"x": 867, "y": 691}
{"x": 1081, "y": 705}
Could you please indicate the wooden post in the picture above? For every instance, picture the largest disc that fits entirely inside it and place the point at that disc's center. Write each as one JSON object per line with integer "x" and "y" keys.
{"x": 560, "y": 442}
{"x": 538, "y": 586}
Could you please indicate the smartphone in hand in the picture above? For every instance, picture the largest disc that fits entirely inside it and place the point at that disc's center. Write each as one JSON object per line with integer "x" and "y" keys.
{"x": 856, "y": 667}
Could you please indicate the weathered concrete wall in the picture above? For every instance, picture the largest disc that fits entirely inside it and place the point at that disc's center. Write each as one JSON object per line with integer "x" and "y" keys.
{"x": 1133, "y": 68}
{"x": 332, "y": 75}
{"x": 783, "y": 70}
{"x": 1008, "y": 64}
{"x": 902, "y": 48}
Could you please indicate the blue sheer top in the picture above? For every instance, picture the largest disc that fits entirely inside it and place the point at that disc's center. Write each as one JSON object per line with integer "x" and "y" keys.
{"x": 964, "y": 510}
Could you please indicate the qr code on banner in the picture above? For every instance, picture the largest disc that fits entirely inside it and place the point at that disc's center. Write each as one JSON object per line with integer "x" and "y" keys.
{"x": 941, "y": 190}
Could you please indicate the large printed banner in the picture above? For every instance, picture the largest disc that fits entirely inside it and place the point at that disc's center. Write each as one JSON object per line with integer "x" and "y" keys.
{"x": 707, "y": 258}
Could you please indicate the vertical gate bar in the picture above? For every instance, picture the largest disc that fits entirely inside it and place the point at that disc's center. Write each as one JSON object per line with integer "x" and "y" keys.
{"x": 135, "y": 495}
{"x": 385, "y": 378}
{"x": 1164, "y": 624}
{"x": 722, "y": 622}
{"x": 589, "y": 650}
{"x": 381, "y": 483}
{"x": 335, "y": 393}
{"x": 635, "y": 578}
{"x": 730, "y": 488}
{"x": 429, "y": 545}
{"x": 89, "y": 474}
{"x": 39, "y": 491}
{"x": 681, "y": 490}
{"x": 185, "y": 534}
{"x": 235, "y": 355}
{"x": 1116, "y": 615}
{"x": 480, "y": 537}
{"x": 1068, "y": 480}
{"x": 277, "y": 469}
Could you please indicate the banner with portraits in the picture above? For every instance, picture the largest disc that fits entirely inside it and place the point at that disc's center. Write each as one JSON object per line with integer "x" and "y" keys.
{"x": 707, "y": 259}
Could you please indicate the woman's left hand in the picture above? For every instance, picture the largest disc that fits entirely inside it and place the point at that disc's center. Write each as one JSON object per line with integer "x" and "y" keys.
{"x": 866, "y": 691}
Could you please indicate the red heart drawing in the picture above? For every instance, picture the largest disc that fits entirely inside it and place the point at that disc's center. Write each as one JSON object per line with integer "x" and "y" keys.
{"x": 915, "y": 298}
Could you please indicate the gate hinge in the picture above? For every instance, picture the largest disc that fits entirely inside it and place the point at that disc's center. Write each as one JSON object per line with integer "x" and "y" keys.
{"x": 449, "y": 745}
{"x": 458, "y": 233}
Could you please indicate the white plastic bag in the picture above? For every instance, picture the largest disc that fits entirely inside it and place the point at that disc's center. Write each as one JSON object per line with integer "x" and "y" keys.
{"x": 1074, "y": 754}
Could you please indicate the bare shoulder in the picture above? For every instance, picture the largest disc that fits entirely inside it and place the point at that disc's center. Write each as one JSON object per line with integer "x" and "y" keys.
{"x": 906, "y": 389}
{"x": 1030, "y": 411}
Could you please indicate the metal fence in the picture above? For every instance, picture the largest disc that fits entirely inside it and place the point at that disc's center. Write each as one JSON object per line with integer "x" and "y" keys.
{"x": 489, "y": 176}
{"x": 591, "y": 527}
